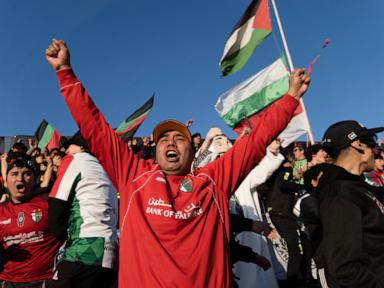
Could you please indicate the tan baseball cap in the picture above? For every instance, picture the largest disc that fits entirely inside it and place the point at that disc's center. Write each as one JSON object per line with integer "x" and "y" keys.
{"x": 170, "y": 125}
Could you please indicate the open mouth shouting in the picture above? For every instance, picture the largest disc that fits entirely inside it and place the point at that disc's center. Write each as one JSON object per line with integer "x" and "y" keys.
{"x": 20, "y": 187}
{"x": 172, "y": 155}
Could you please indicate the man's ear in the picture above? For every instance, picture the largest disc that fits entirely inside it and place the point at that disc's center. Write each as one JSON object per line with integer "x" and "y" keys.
{"x": 358, "y": 146}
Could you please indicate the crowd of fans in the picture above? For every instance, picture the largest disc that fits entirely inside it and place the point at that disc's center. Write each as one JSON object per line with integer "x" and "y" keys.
{"x": 287, "y": 219}
{"x": 179, "y": 210}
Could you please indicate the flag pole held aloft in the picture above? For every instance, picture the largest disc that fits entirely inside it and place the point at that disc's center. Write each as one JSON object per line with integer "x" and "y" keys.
{"x": 291, "y": 67}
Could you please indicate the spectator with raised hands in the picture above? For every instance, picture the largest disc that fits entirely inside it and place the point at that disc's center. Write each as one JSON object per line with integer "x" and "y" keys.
{"x": 246, "y": 204}
{"x": 174, "y": 223}
{"x": 32, "y": 147}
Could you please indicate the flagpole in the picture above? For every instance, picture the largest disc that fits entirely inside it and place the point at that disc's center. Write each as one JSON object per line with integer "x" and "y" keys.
{"x": 291, "y": 67}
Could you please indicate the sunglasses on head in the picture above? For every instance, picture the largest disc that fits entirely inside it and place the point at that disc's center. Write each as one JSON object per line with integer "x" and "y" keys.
{"x": 370, "y": 141}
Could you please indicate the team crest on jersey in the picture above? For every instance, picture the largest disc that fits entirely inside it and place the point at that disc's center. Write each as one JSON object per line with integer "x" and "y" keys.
{"x": 20, "y": 219}
{"x": 186, "y": 185}
{"x": 37, "y": 215}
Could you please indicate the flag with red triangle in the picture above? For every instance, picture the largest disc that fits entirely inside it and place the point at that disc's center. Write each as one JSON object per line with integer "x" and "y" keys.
{"x": 48, "y": 136}
{"x": 130, "y": 125}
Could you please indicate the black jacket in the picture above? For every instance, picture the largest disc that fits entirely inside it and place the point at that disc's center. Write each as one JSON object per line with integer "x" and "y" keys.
{"x": 282, "y": 197}
{"x": 352, "y": 218}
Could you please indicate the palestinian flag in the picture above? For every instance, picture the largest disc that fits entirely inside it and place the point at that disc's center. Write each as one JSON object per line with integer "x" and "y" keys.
{"x": 249, "y": 32}
{"x": 239, "y": 106}
{"x": 130, "y": 125}
{"x": 47, "y": 136}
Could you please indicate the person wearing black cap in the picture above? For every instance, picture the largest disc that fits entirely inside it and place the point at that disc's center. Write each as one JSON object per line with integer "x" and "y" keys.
{"x": 352, "y": 217}
{"x": 29, "y": 247}
{"x": 174, "y": 223}
{"x": 83, "y": 211}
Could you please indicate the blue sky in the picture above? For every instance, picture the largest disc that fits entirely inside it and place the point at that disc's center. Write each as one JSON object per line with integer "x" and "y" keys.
{"x": 123, "y": 51}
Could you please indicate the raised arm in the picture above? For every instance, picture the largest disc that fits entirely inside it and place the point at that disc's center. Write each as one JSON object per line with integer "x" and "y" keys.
{"x": 48, "y": 173}
{"x": 4, "y": 166}
{"x": 104, "y": 143}
{"x": 269, "y": 164}
{"x": 57, "y": 55}
{"x": 230, "y": 170}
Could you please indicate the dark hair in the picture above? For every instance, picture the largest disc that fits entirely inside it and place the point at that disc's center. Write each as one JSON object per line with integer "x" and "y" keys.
{"x": 36, "y": 149}
{"x": 20, "y": 160}
{"x": 196, "y": 135}
{"x": 378, "y": 156}
{"x": 56, "y": 152}
{"x": 312, "y": 174}
{"x": 20, "y": 147}
{"x": 313, "y": 149}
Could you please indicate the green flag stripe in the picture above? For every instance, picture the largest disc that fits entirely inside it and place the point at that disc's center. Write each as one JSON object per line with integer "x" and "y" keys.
{"x": 123, "y": 126}
{"x": 257, "y": 101}
{"x": 234, "y": 62}
{"x": 46, "y": 137}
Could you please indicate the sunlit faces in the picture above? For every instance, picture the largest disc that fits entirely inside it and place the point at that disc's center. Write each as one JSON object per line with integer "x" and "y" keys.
{"x": 369, "y": 144}
{"x": 174, "y": 153}
{"x": 320, "y": 157}
{"x": 221, "y": 144}
{"x": 367, "y": 158}
{"x": 56, "y": 160}
{"x": 298, "y": 153}
{"x": 196, "y": 138}
{"x": 379, "y": 164}
{"x": 20, "y": 183}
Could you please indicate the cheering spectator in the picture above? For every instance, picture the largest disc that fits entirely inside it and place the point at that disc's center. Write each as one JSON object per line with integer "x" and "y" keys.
{"x": 300, "y": 164}
{"x": 29, "y": 246}
{"x": 174, "y": 224}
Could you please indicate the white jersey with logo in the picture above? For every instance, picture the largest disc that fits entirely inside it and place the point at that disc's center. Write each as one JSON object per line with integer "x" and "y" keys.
{"x": 92, "y": 224}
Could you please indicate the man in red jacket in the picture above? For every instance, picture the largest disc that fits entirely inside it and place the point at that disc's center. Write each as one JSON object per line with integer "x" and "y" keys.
{"x": 174, "y": 223}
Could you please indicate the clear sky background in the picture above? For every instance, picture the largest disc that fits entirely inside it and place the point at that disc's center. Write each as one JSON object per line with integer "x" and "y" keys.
{"x": 123, "y": 51}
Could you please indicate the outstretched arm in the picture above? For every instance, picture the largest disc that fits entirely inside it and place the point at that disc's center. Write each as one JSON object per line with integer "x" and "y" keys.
{"x": 104, "y": 143}
{"x": 230, "y": 170}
